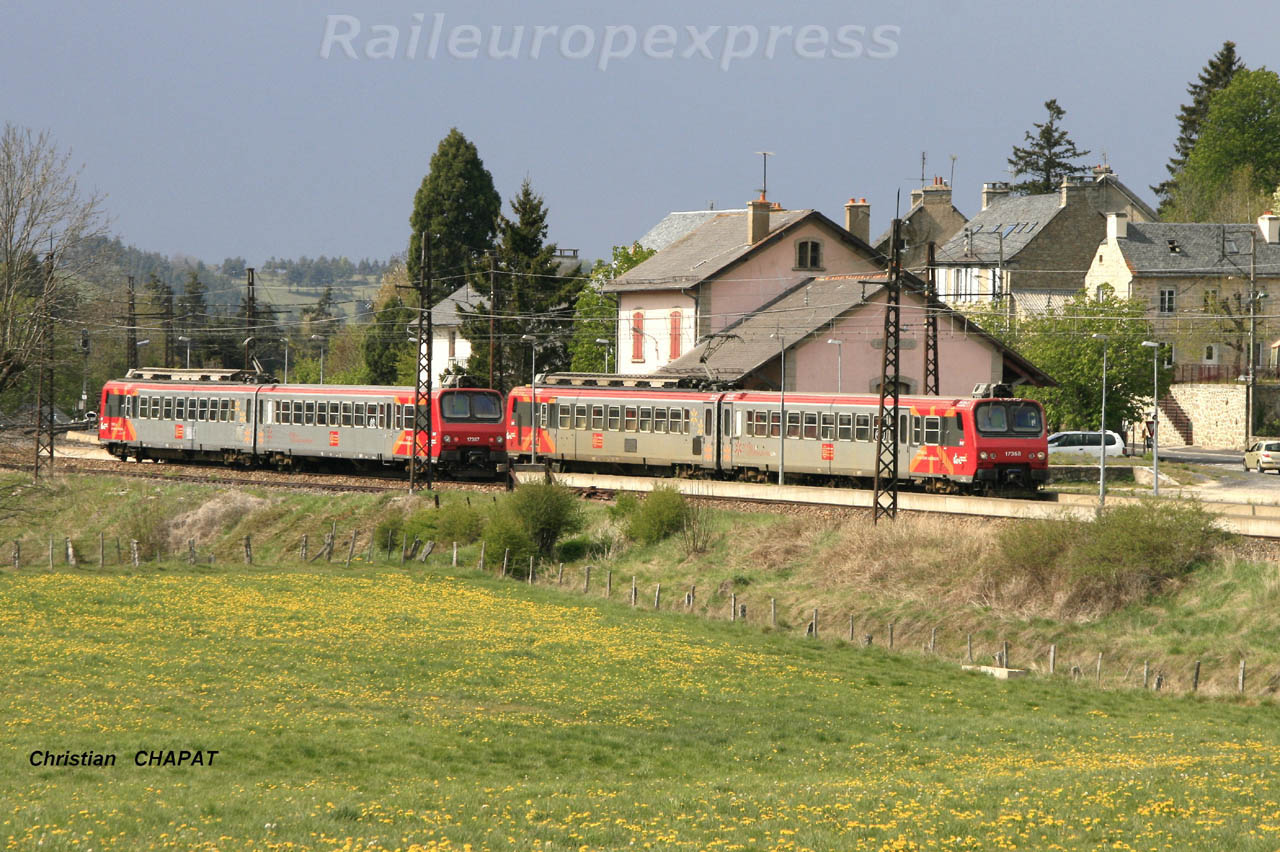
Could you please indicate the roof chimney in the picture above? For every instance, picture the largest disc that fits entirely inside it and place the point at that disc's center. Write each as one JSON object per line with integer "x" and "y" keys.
{"x": 938, "y": 193}
{"x": 917, "y": 195}
{"x": 857, "y": 218}
{"x": 1269, "y": 224}
{"x": 993, "y": 192}
{"x": 1070, "y": 184}
{"x": 1117, "y": 226}
{"x": 757, "y": 220}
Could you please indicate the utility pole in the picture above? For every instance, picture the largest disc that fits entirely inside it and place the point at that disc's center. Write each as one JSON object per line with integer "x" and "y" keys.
{"x": 44, "y": 385}
{"x": 167, "y": 321}
{"x": 131, "y": 330}
{"x": 885, "y": 502}
{"x": 422, "y": 384}
{"x": 1253, "y": 331}
{"x": 493, "y": 290}
{"x": 931, "y": 326}
{"x": 250, "y": 319}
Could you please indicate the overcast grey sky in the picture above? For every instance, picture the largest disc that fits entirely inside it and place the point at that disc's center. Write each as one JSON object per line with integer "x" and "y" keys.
{"x": 222, "y": 129}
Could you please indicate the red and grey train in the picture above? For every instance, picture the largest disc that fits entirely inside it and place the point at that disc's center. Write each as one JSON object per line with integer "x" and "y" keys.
{"x": 225, "y": 416}
{"x": 990, "y": 441}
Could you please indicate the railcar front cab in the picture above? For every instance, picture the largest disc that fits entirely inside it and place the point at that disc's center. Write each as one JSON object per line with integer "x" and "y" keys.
{"x": 1010, "y": 440}
{"x": 471, "y": 431}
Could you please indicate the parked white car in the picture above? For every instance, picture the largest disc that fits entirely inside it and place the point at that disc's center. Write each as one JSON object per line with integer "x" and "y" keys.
{"x": 1086, "y": 444}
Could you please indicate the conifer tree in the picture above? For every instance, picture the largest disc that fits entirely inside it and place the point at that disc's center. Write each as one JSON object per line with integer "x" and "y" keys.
{"x": 458, "y": 204}
{"x": 1048, "y": 156}
{"x": 1214, "y": 77}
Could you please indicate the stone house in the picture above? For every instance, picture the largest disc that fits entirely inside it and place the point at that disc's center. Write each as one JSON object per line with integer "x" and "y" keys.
{"x": 1196, "y": 280}
{"x": 713, "y": 268}
{"x": 832, "y": 330}
{"x": 1031, "y": 252}
{"x": 932, "y": 218}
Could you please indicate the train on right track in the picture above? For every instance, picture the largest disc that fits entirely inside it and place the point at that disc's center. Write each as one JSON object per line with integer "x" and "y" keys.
{"x": 990, "y": 442}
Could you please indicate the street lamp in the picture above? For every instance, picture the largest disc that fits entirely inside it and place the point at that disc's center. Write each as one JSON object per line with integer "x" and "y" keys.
{"x": 839, "y": 344}
{"x": 533, "y": 394}
{"x": 1102, "y": 456}
{"x": 608, "y": 344}
{"x": 1155, "y": 415}
{"x": 182, "y": 338}
{"x": 286, "y": 359}
{"x": 320, "y": 337}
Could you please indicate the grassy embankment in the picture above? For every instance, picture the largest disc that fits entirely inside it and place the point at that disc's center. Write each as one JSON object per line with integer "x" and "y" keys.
{"x": 379, "y": 707}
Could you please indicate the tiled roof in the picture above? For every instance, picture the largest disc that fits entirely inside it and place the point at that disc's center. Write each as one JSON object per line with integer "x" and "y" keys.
{"x": 676, "y": 224}
{"x": 1013, "y": 220}
{"x": 1212, "y": 250}
{"x": 700, "y": 253}
{"x": 445, "y": 312}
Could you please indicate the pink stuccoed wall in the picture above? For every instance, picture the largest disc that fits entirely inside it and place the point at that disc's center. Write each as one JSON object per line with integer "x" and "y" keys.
{"x": 963, "y": 360}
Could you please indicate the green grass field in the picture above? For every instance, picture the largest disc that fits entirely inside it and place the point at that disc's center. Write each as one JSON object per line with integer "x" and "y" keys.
{"x": 381, "y": 708}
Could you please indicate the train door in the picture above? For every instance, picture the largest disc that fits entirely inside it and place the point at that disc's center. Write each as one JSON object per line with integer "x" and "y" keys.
{"x": 826, "y": 440}
{"x": 521, "y": 426}
{"x": 725, "y": 448}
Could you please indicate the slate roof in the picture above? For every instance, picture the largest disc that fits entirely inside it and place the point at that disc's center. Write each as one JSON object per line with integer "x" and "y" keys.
{"x": 1205, "y": 250}
{"x": 1019, "y": 218}
{"x": 678, "y": 223}
{"x": 800, "y": 311}
{"x": 445, "y": 313}
{"x": 700, "y": 253}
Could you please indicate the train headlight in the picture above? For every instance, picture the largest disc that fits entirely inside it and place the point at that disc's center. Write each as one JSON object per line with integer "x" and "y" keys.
{"x": 448, "y": 439}
{"x": 498, "y": 440}
{"x": 982, "y": 454}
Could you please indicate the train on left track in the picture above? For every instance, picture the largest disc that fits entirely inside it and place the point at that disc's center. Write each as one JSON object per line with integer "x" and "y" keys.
{"x": 238, "y": 418}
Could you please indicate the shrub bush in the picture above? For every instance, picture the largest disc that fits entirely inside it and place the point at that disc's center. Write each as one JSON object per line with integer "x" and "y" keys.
{"x": 624, "y": 506}
{"x": 661, "y": 514}
{"x": 574, "y": 549}
{"x": 547, "y": 512}
{"x": 506, "y": 531}
{"x": 387, "y": 534}
{"x": 458, "y": 522}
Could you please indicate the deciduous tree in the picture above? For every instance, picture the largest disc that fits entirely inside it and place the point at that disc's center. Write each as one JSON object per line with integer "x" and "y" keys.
{"x": 595, "y": 315}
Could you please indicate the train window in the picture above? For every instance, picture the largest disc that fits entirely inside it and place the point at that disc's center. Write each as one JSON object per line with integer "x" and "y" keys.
{"x": 660, "y": 420}
{"x": 322, "y": 413}
{"x": 225, "y": 406}
{"x": 580, "y": 417}
{"x": 933, "y": 430}
{"x": 566, "y": 416}
{"x": 706, "y": 421}
{"x": 143, "y": 408}
{"x": 862, "y": 428}
{"x": 844, "y": 427}
{"x": 917, "y": 429}
{"x": 793, "y": 424}
{"x": 168, "y": 408}
{"x": 309, "y": 413}
{"x": 284, "y": 412}
{"x": 191, "y": 408}
{"x": 180, "y": 408}
{"x": 629, "y": 419}
{"x": 775, "y": 424}
{"x": 677, "y": 421}
{"x": 597, "y": 417}
{"x": 544, "y": 415}
{"x": 1026, "y": 418}
{"x": 346, "y": 414}
{"x": 903, "y": 425}
{"x": 646, "y": 418}
{"x": 991, "y": 418}
{"x": 828, "y": 427}
{"x": 615, "y": 418}
{"x": 811, "y": 424}
{"x": 359, "y": 419}
{"x": 383, "y": 415}
{"x": 204, "y": 409}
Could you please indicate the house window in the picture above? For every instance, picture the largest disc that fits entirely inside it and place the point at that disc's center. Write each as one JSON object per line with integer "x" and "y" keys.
{"x": 675, "y": 336}
{"x": 637, "y": 336}
{"x": 453, "y": 345}
{"x": 1211, "y": 300}
{"x": 808, "y": 254}
{"x": 1168, "y": 355}
{"x": 1211, "y": 353}
{"x": 1166, "y": 300}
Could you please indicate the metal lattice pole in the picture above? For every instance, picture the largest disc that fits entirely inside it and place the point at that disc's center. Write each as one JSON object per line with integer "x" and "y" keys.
{"x": 931, "y": 328}
{"x": 44, "y": 408}
{"x": 886, "y": 481}
{"x": 422, "y": 383}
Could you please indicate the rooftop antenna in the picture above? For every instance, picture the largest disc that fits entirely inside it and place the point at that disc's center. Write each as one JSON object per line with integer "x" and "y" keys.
{"x": 923, "y": 160}
{"x": 953, "y": 169}
{"x": 765, "y": 155}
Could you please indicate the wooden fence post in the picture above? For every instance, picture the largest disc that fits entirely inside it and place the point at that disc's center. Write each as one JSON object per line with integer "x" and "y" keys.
{"x": 1097, "y": 675}
{"x": 455, "y": 554}
{"x": 506, "y": 554}
{"x": 773, "y": 613}
{"x": 633, "y": 590}
{"x": 50, "y": 553}
{"x": 1053, "y": 658}
{"x": 933, "y": 640}
{"x": 815, "y": 622}
{"x": 608, "y": 584}
{"x": 530, "y": 570}
{"x": 851, "y": 627}
{"x": 1146, "y": 673}
{"x": 968, "y": 646}
{"x": 560, "y": 575}
{"x": 71, "y": 553}
{"x": 119, "y": 556}
{"x": 891, "y": 626}
{"x": 17, "y": 555}
{"x": 248, "y": 551}
{"x": 102, "y": 550}
{"x": 369, "y": 555}
{"x": 733, "y": 606}
{"x": 133, "y": 551}
{"x": 1004, "y": 653}
{"x": 1240, "y": 678}
{"x": 1195, "y": 678}
{"x": 586, "y": 580}
{"x": 351, "y": 548}
{"x": 482, "y": 544}
{"x": 191, "y": 551}
{"x": 404, "y": 547}
{"x": 331, "y": 542}
{"x": 391, "y": 540}
{"x": 303, "y": 548}
{"x": 657, "y": 596}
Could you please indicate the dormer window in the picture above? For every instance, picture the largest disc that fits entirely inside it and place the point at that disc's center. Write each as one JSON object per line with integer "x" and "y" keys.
{"x": 808, "y": 254}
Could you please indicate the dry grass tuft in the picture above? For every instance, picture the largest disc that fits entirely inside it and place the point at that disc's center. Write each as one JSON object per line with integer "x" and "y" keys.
{"x": 212, "y": 518}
